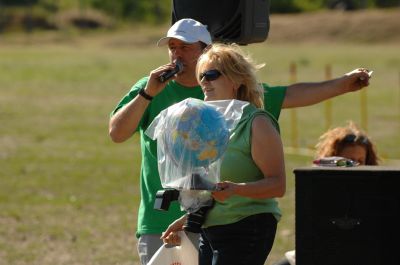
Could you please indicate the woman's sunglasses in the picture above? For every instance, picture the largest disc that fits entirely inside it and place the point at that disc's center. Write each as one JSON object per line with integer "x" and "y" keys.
{"x": 352, "y": 138}
{"x": 210, "y": 75}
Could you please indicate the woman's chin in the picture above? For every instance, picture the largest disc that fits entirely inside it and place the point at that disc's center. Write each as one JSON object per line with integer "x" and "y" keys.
{"x": 208, "y": 98}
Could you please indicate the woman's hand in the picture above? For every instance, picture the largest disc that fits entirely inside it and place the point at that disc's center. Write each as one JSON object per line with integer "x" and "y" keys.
{"x": 224, "y": 190}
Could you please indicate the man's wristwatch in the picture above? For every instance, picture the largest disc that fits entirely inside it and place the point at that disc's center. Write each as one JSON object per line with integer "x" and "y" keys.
{"x": 145, "y": 95}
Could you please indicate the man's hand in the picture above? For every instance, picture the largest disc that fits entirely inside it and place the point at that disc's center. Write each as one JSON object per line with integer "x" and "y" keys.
{"x": 170, "y": 236}
{"x": 356, "y": 79}
{"x": 154, "y": 86}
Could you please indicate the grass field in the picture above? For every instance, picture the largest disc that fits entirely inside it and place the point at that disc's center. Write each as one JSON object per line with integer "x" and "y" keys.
{"x": 68, "y": 195}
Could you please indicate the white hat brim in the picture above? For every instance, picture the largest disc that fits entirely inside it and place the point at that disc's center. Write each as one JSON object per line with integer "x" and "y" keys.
{"x": 164, "y": 41}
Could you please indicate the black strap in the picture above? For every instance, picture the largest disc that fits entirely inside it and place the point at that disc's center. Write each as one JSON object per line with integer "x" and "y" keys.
{"x": 145, "y": 95}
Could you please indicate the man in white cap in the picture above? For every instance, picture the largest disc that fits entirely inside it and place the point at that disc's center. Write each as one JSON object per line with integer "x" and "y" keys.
{"x": 186, "y": 40}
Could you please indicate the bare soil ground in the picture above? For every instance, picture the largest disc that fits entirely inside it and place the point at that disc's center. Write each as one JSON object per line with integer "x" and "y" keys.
{"x": 367, "y": 26}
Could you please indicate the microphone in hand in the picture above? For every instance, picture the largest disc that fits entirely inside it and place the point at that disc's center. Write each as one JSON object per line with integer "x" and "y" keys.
{"x": 170, "y": 73}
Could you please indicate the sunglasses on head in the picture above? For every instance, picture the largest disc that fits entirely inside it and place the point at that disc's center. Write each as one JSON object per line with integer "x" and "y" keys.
{"x": 352, "y": 138}
{"x": 210, "y": 75}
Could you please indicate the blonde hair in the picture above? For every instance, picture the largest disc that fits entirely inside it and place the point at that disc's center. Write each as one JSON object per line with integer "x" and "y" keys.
{"x": 230, "y": 60}
{"x": 335, "y": 140}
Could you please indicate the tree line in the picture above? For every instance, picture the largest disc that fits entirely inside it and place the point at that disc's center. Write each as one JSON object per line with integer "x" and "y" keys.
{"x": 98, "y": 13}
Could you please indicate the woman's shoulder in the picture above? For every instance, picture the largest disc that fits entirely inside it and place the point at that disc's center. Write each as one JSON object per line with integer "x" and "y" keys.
{"x": 256, "y": 113}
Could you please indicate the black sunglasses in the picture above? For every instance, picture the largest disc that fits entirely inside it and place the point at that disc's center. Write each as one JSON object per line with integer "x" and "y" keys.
{"x": 352, "y": 138}
{"x": 210, "y": 75}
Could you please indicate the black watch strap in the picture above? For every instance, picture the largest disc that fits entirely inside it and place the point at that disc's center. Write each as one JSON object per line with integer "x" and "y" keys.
{"x": 145, "y": 95}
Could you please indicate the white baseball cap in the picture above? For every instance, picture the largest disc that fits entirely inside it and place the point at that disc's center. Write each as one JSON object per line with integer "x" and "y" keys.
{"x": 187, "y": 30}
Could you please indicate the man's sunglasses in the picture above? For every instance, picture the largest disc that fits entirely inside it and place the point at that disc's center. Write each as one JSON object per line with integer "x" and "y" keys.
{"x": 210, "y": 75}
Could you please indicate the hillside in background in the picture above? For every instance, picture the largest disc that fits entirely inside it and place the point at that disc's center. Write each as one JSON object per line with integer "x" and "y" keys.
{"x": 363, "y": 26}
{"x": 367, "y": 26}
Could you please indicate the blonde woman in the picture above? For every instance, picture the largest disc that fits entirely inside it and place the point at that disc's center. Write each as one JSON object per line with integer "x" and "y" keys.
{"x": 241, "y": 227}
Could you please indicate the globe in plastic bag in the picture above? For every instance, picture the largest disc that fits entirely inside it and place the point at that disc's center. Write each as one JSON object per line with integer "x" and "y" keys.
{"x": 197, "y": 136}
{"x": 192, "y": 136}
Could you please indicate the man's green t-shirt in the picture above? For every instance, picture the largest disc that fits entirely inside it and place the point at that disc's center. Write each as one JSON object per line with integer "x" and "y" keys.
{"x": 151, "y": 221}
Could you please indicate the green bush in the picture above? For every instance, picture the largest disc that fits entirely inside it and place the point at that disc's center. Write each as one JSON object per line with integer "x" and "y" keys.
{"x": 387, "y": 3}
{"x": 146, "y": 11}
{"x": 83, "y": 19}
{"x": 18, "y": 2}
{"x": 284, "y": 6}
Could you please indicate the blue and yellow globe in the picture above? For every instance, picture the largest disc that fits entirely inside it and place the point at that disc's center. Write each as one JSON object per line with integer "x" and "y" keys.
{"x": 198, "y": 135}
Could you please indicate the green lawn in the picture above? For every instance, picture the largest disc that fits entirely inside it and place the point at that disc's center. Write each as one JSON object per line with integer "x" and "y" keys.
{"x": 68, "y": 195}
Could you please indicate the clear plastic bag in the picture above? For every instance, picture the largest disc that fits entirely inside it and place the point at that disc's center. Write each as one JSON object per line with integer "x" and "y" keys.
{"x": 192, "y": 200}
{"x": 192, "y": 136}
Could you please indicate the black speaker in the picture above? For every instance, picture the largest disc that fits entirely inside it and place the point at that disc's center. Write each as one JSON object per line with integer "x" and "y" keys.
{"x": 239, "y": 21}
{"x": 347, "y": 216}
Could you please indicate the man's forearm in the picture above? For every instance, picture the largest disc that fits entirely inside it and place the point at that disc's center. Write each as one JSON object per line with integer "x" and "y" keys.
{"x": 305, "y": 94}
{"x": 123, "y": 124}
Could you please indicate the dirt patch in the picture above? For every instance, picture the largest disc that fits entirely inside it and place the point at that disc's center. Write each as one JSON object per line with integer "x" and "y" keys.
{"x": 369, "y": 26}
